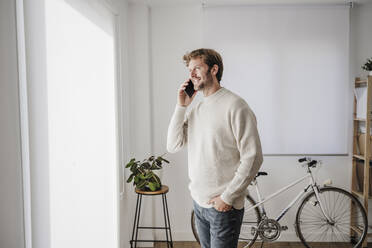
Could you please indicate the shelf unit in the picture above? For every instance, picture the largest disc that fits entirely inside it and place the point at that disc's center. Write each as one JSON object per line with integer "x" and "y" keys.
{"x": 364, "y": 193}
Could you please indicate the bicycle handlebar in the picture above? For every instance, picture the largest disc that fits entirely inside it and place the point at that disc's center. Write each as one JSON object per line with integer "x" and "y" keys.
{"x": 302, "y": 159}
{"x": 311, "y": 163}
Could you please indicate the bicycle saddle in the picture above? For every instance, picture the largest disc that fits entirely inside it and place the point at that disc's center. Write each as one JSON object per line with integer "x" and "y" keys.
{"x": 261, "y": 173}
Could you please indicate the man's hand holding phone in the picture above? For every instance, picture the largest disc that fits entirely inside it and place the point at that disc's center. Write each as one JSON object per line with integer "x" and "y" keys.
{"x": 186, "y": 93}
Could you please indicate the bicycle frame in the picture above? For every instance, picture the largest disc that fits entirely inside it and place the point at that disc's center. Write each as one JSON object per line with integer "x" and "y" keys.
{"x": 312, "y": 184}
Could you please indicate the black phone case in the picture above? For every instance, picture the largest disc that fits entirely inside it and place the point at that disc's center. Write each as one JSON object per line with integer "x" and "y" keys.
{"x": 190, "y": 89}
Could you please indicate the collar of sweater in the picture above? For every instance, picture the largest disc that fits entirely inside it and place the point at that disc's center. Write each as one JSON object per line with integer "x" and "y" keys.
{"x": 214, "y": 96}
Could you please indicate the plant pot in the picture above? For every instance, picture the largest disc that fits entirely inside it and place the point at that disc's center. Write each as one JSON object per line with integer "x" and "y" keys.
{"x": 362, "y": 143}
{"x": 360, "y": 176}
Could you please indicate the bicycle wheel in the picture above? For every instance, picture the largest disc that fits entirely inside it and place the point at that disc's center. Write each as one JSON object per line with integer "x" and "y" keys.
{"x": 193, "y": 227}
{"x": 348, "y": 226}
{"x": 250, "y": 219}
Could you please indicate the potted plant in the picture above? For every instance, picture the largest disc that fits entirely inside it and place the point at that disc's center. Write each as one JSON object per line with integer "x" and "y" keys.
{"x": 143, "y": 175}
{"x": 368, "y": 66}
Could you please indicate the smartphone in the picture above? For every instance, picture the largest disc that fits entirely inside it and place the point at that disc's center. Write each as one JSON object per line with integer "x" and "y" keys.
{"x": 190, "y": 89}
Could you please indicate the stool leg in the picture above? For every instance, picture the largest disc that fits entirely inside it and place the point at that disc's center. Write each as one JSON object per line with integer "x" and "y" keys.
{"x": 139, "y": 214}
{"x": 135, "y": 222}
{"x": 170, "y": 231}
{"x": 165, "y": 219}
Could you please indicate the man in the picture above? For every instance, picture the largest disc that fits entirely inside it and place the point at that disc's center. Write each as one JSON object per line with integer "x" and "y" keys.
{"x": 224, "y": 149}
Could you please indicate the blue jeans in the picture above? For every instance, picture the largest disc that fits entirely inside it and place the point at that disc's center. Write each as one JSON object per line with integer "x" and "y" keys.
{"x": 218, "y": 229}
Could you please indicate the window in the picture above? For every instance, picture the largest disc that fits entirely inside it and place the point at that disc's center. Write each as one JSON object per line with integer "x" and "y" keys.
{"x": 80, "y": 37}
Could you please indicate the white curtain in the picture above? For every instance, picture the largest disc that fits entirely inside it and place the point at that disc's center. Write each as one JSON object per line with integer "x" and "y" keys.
{"x": 82, "y": 107}
{"x": 291, "y": 65}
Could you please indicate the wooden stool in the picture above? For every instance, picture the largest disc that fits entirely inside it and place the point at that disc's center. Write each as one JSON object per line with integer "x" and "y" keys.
{"x": 163, "y": 191}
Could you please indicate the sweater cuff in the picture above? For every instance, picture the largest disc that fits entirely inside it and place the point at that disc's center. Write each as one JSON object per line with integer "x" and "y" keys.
{"x": 227, "y": 198}
{"x": 180, "y": 110}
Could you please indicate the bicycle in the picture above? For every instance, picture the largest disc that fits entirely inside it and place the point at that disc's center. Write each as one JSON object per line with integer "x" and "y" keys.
{"x": 326, "y": 217}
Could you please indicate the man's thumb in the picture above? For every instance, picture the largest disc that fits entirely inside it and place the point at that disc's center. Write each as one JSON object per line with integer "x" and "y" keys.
{"x": 211, "y": 200}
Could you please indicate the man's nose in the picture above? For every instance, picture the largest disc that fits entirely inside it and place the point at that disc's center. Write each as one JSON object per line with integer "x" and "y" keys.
{"x": 193, "y": 74}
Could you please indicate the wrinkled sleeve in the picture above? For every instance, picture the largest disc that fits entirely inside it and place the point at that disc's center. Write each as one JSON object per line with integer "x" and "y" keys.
{"x": 244, "y": 127}
{"x": 177, "y": 130}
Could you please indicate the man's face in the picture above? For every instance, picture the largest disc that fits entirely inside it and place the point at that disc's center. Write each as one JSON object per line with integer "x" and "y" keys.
{"x": 200, "y": 74}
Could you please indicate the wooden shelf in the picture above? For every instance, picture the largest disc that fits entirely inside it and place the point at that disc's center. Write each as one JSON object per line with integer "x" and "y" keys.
{"x": 359, "y": 194}
{"x": 360, "y": 83}
{"x": 355, "y": 180}
{"x": 361, "y": 157}
{"x": 356, "y": 229}
{"x": 359, "y": 119}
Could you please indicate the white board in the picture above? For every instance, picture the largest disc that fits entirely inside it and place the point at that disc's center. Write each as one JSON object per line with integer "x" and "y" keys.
{"x": 291, "y": 66}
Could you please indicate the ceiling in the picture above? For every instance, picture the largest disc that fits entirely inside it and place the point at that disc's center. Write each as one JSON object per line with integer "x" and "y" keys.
{"x": 249, "y": 2}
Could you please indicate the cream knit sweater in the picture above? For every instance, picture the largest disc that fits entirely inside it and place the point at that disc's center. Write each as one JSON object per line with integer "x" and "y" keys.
{"x": 224, "y": 149}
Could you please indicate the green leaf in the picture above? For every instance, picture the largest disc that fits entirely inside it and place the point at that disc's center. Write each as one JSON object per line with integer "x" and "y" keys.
{"x": 155, "y": 167}
{"x": 157, "y": 179}
{"x": 162, "y": 159}
{"x": 152, "y": 186}
{"x": 130, "y": 163}
{"x": 134, "y": 167}
{"x": 130, "y": 178}
{"x": 136, "y": 179}
{"x": 151, "y": 158}
{"x": 141, "y": 184}
{"x": 157, "y": 185}
{"x": 148, "y": 175}
{"x": 165, "y": 160}
{"x": 146, "y": 165}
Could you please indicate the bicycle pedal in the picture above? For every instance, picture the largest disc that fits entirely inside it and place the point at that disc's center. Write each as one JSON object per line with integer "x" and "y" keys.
{"x": 284, "y": 228}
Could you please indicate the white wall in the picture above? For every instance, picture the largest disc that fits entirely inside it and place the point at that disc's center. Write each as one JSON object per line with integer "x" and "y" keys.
{"x": 11, "y": 206}
{"x": 38, "y": 119}
{"x": 126, "y": 202}
{"x": 140, "y": 115}
{"x": 174, "y": 30}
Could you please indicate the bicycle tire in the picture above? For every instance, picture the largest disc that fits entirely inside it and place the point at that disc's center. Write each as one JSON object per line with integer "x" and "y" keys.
{"x": 248, "y": 218}
{"x": 251, "y": 219}
{"x": 193, "y": 227}
{"x": 313, "y": 229}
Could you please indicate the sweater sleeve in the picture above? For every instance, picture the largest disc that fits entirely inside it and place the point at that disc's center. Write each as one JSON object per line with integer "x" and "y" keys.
{"x": 177, "y": 130}
{"x": 244, "y": 127}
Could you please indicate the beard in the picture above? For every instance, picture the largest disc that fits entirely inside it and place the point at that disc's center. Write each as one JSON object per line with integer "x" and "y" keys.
{"x": 207, "y": 82}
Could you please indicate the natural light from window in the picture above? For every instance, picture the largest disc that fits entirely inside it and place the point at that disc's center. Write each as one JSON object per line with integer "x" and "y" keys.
{"x": 82, "y": 125}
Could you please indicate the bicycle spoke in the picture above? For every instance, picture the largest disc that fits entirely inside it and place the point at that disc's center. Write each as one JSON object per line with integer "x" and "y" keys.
{"x": 250, "y": 220}
{"x": 314, "y": 228}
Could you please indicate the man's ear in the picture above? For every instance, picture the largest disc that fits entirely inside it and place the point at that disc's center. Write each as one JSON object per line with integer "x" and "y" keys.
{"x": 214, "y": 69}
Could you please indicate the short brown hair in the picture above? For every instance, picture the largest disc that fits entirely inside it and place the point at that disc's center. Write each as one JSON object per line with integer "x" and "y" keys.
{"x": 209, "y": 56}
